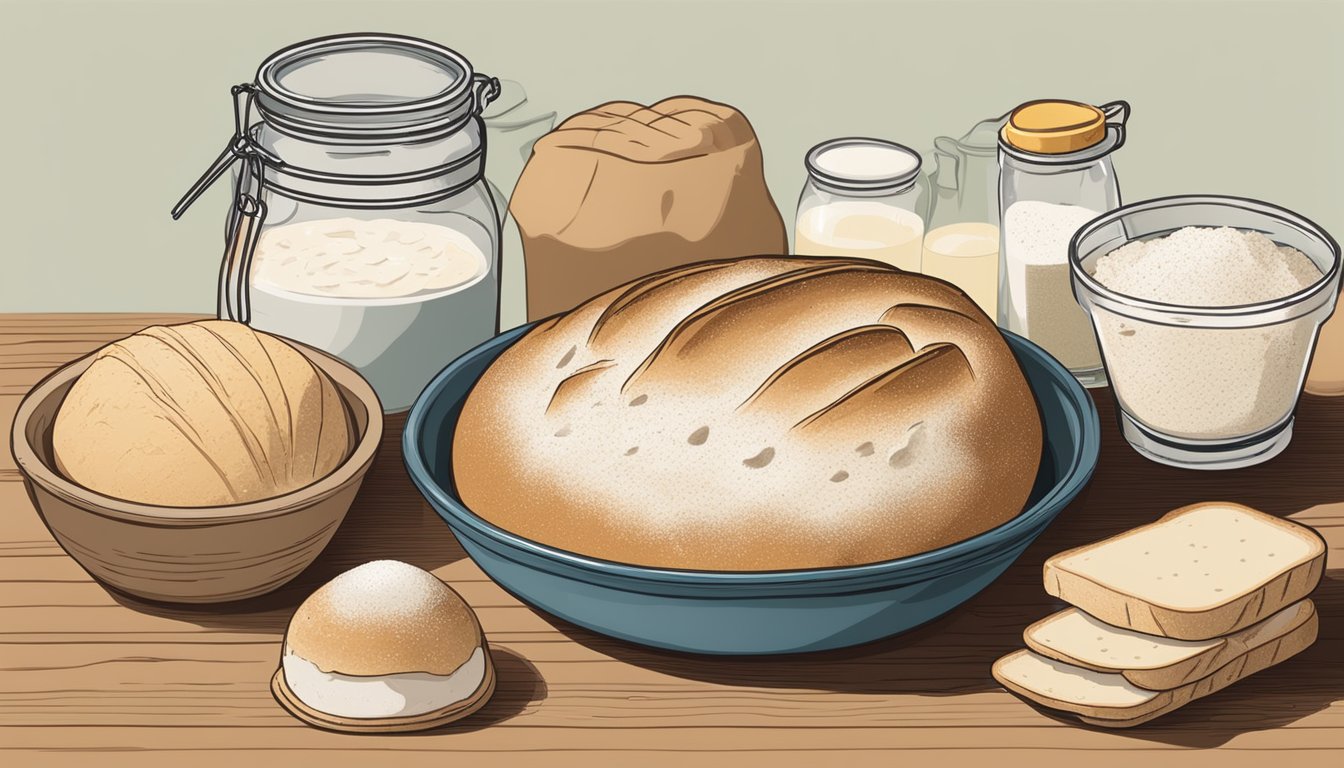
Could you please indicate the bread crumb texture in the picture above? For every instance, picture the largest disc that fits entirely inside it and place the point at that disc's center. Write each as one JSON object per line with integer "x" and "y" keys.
{"x": 1201, "y": 559}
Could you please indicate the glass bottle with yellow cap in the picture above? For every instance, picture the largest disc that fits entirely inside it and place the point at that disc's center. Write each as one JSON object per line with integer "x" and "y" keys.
{"x": 1055, "y": 176}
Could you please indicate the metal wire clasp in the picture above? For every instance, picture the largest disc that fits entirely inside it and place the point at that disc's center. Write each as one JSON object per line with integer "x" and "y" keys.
{"x": 249, "y": 207}
{"x": 485, "y": 90}
{"x": 239, "y": 147}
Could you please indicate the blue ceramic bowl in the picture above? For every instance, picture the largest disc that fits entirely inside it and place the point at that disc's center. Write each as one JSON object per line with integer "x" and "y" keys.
{"x": 751, "y": 612}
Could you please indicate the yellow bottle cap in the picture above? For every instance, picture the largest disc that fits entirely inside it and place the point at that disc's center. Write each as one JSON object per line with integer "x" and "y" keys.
{"x": 1054, "y": 127}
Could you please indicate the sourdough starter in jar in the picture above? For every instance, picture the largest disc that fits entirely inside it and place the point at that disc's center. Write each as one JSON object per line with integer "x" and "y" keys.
{"x": 362, "y": 176}
{"x": 396, "y": 299}
{"x": 1036, "y": 235}
{"x": 351, "y": 258}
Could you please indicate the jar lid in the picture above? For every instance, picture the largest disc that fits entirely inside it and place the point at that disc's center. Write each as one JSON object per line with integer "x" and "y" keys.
{"x": 863, "y": 164}
{"x": 1054, "y": 127}
{"x": 347, "y": 86}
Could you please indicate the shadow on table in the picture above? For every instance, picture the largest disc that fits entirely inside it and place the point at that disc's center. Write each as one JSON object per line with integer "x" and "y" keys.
{"x": 519, "y": 685}
{"x": 949, "y": 655}
{"x": 1279, "y": 696}
{"x": 388, "y": 520}
{"x": 953, "y": 654}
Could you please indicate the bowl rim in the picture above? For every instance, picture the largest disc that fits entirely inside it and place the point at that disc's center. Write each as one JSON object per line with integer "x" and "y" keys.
{"x": 1076, "y": 475}
{"x": 352, "y": 469}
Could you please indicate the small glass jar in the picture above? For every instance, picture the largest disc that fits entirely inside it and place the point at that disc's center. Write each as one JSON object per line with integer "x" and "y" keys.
{"x": 863, "y": 198}
{"x": 362, "y": 223}
{"x": 1055, "y": 176}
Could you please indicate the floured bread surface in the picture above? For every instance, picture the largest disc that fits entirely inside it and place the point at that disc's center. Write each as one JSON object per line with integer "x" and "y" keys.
{"x": 754, "y": 414}
{"x": 384, "y": 618}
{"x": 1199, "y": 572}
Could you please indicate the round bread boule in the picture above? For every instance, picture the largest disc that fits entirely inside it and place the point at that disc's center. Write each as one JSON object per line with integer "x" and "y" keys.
{"x": 384, "y": 646}
{"x": 202, "y": 414}
{"x": 755, "y": 414}
{"x": 383, "y": 618}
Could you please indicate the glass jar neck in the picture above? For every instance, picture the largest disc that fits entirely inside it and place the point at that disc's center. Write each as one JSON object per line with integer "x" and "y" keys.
{"x": 1028, "y": 165}
{"x": 372, "y": 176}
{"x": 369, "y": 88}
{"x": 837, "y": 190}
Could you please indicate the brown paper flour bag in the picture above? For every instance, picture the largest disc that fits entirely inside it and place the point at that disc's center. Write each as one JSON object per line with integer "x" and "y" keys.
{"x": 623, "y": 190}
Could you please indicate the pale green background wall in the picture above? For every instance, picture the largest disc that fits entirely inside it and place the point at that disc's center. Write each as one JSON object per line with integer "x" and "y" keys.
{"x": 112, "y": 108}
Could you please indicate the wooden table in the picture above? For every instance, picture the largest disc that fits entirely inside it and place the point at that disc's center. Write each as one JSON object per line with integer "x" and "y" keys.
{"x": 86, "y": 671}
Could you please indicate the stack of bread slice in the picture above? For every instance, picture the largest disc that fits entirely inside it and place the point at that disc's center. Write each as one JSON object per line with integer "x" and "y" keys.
{"x": 1168, "y": 613}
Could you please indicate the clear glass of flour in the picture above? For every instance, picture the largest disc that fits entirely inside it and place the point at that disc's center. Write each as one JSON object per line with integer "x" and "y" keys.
{"x": 1206, "y": 310}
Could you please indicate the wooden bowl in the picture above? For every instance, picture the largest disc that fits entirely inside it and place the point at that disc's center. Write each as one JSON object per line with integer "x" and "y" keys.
{"x": 196, "y": 554}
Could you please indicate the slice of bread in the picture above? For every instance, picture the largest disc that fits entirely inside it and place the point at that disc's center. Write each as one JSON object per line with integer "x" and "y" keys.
{"x": 1108, "y": 699}
{"x": 1149, "y": 661}
{"x": 1200, "y": 572}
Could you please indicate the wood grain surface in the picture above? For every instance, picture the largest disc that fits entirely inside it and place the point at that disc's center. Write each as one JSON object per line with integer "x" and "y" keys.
{"x": 89, "y": 677}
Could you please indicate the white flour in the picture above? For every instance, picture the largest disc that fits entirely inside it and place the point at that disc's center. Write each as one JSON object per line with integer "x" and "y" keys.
{"x": 1206, "y": 383}
{"x": 1040, "y": 301}
{"x": 1203, "y": 267}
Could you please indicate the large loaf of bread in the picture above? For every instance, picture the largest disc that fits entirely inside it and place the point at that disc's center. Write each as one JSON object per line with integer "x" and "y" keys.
{"x": 754, "y": 414}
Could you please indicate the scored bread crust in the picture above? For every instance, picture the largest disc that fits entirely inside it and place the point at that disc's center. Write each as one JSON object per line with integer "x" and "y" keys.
{"x": 1197, "y": 666}
{"x": 679, "y": 128}
{"x": 200, "y": 414}
{"x": 1162, "y": 702}
{"x": 754, "y": 414}
{"x": 1116, "y": 607}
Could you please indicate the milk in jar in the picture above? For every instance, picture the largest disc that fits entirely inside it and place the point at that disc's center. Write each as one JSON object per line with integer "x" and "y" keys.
{"x": 864, "y": 229}
{"x": 862, "y": 199}
{"x": 962, "y": 242}
{"x": 966, "y": 254}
